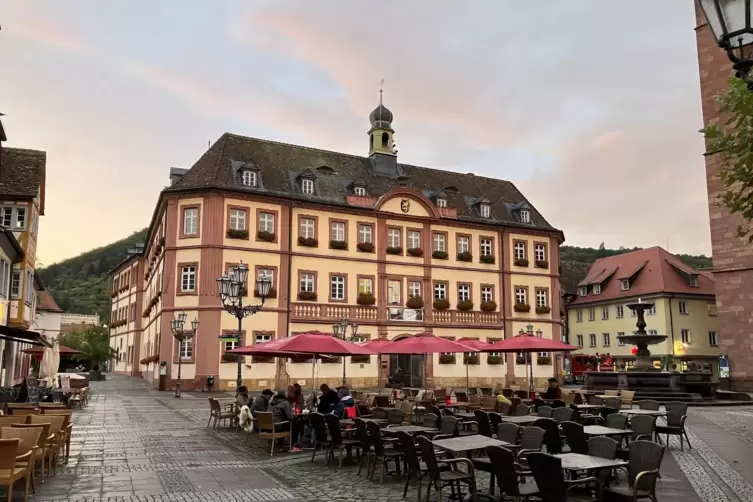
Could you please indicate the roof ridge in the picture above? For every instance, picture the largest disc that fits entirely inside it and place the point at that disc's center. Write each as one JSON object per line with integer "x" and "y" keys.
{"x": 284, "y": 143}
{"x": 223, "y": 138}
{"x": 29, "y": 151}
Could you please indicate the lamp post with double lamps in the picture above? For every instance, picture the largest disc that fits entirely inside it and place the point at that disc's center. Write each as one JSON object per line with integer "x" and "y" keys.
{"x": 340, "y": 329}
{"x": 181, "y": 336}
{"x": 731, "y": 22}
{"x": 232, "y": 288}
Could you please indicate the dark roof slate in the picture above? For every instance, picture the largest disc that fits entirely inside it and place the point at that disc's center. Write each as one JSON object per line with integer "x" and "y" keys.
{"x": 22, "y": 172}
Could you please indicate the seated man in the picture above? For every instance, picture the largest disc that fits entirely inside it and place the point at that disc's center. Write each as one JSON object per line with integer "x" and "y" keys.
{"x": 283, "y": 412}
{"x": 553, "y": 391}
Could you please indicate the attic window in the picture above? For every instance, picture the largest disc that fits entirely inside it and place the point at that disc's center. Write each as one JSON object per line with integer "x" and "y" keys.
{"x": 451, "y": 189}
{"x": 624, "y": 284}
{"x": 441, "y": 202}
{"x": 525, "y": 216}
{"x": 486, "y": 210}
{"x": 694, "y": 280}
{"x": 361, "y": 191}
{"x": 583, "y": 291}
{"x": 597, "y": 289}
{"x": 325, "y": 170}
{"x": 307, "y": 186}
{"x": 248, "y": 178}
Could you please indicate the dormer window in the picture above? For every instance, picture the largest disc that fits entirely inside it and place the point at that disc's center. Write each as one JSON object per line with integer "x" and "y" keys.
{"x": 597, "y": 289}
{"x": 525, "y": 216}
{"x": 583, "y": 291}
{"x": 694, "y": 280}
{"x": 307, "y": 186}
{"x": 441, "y": 202}
{"x": 248, "y": 178}
{"x": 624, "y": 284}
{"x": 485, "y": 210}
{"x": 360, "y": 191}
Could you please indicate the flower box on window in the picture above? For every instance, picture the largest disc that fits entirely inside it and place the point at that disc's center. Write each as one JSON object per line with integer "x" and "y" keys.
{"x": 154, "y": 358}
{"x": 465, "y": 256}
{"x": 471, "y": 359}
{"x": 490, "y": 359}
{"x": 441, "y": 304}
{"x": 542, "y": 264}
{"x": 522, "y": 307}
{"x": 520, "y": 262}
{"x": 465, "y": 305}
{"x": 366, "y": 247}
{"x": 416, "y": 252}
{"x": 309, "y": 242}
{"x": 307, "y": 296}
{"x": 544, "y": 361}
{"x": 144, "y": 361}
{"x": 272, "y": 293}
{"x": 332, "y": 360}
{"x": 338, "y": 245}
{"x": 237, "y": 234}
{"x": 360, "y": 359}
{"x": 447, "y": 359}
{"x": 366, "y": 299}
{"x": 490, "y": 306}
{"x": 439, "y": 255}
{"x": 265, "y": 236}
{"x": 415, "y": 302}
{"x": 487, "y": 258}
{"x": 394, "y": 250}
{"x": 262, "y": 359}
{"x": 230, "y": 358}
{"x": 520, "y": 359}
{"x": 543, "y": 310}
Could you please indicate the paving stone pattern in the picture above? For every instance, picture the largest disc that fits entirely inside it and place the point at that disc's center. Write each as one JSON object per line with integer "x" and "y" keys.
{"x": 135, "y": 444}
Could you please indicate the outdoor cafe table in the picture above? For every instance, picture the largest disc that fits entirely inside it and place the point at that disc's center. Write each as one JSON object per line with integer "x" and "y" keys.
{"x": 588, "y": 406}
{"x": 652, "y": 413}
{"x": 465, "y": 405}
{"x": 527, "y": 419}
{"x": 462, "y": 444}
{"x": 378, "y": 421}
{"x": 599, "y": 430}
{"x": 410, "y": 429}
{"x": 580, "y": 462}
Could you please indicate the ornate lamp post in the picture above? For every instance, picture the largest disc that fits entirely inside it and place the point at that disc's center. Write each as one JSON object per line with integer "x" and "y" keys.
{"x": 340, "y": 329}
{"x": 231, "y": 288}
{"x": 731, "y": 22}
{"x": 176, "y": 326}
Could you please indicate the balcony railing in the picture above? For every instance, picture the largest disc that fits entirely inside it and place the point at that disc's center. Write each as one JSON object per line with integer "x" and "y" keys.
{"x": 318, "y": 311}
{"x": 405, "y": 314}
{"x": 303, "y": 311}
{"x": 466, "y": 317}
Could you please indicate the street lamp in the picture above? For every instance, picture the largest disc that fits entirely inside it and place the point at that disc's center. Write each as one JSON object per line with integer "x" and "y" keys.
{"x": 340, "y": 329}
{"x": 731, "y": 22}
{"x": 176, "y": 326}
{"x": 231, "y": 289}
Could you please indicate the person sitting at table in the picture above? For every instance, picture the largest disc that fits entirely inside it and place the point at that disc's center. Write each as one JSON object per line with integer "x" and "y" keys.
{"x": 345, "y": 401}
{"x": 242, "y": 398}
{"x": 283, "y": 412}
{"x": 553, "y": 391}
{"x": 261, "y": 403}
{"x": 298, "y": 403}
{"x": 501, "y": 399}
{"x": 327, "y": 401}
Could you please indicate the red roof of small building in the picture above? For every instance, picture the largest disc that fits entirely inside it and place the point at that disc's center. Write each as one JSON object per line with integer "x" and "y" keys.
{"x": 46, "y": 302}
{"x": 651, "y": 271}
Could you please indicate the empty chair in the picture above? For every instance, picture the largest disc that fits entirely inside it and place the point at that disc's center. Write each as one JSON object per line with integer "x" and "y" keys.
{"x": 504, "y": 470}
{"x": 538, "y": 403}
{"x": 595, "y": 400}
{"x": 648, "y": 404}
{"x": 644, "y": 462}
{"x": 395, "y": 416}
{"x": 552, "y": 439}
{"x": 382, "y": 455}
{"x": 462, "y": 397}
{"x": 550, "y": 478}
{"x": 431, "y": 420}
{"x": 602, "y": 446}
{"x": 484, "y": 426}
{"x": 676, "y": 415}
{"x": 642, "y": 427}
{"x": 617, "y": 421}
{"x": 613, "y": 402}
{"x": 575, "y": 437}
{"x": 379, "y": 413}
{"x": 448, "y": 426}
{"x": 522, "y": 410}
{"x": 319, "y": 426}
{"x": 365, "y": 442}
{"x": 494, "y": 420}
{"x": 439, "y": 478}
{"x": 413, "y": 463}
{"x": 504, "y": 408}
{"x": 545, "y": 411}
{"x": 531, "y": 440}
{"x": 562, "y": 414}
{"x": 627, "y": 398}
{"x": 336, "y": 440}
{"x": 508, "y": 432}
{"x": 611, "y": 392}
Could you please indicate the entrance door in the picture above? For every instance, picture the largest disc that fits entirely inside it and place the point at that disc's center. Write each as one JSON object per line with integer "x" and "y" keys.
{"x": 410, "y": 369}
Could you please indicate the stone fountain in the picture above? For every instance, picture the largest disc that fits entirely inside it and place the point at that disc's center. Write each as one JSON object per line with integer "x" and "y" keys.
{"x": 641, "y": 339}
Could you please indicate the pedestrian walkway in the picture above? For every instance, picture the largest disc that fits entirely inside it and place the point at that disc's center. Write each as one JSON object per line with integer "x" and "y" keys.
{"x": 136, "y": 444}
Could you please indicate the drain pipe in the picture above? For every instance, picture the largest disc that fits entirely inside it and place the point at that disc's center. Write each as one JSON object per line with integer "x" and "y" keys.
{"x": 671, "y": 328}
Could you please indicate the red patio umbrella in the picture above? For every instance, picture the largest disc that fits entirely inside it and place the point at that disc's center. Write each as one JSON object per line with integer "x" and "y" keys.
{"x": 476, "y": 344}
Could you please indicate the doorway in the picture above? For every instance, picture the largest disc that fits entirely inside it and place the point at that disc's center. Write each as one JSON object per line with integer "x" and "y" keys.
{"x": 411, "y": 368}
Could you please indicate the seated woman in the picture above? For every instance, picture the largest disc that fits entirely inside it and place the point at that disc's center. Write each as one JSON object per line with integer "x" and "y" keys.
{"x": 283, "y": 412}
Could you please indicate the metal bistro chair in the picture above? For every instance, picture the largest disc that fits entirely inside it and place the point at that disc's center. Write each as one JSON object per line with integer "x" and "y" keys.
{"x": 319, "y": 426}
{"x": 603, "y": 447}
{"x": 382, "y": 455}
{"x": 415, "y": 468}
{"x": 643, "y": 470}
{"x": 494, "y": 420}
{"x": 337, "y": 441}
{"x": 366, "y": 452}
{"x": 649, "y": 404}
{"x": 507, "y": 474}
{"x": 545, "y": 411}
{"x": 522, "y": 410}
{"x": 676, "y": 415}
{"x": 379, "y": 413}
{"x": 642, "y": 427}
{"x": 613, "y": 402}
{"x": 562, "y": 414}
{"x": 395, "y": 416}
{"x": 617, "y": 421}
{"x": 431, "y": 420}
{"x": 508, "y": 433}
{"x": 550, "y": 478}
{"x": 575, "y": 437}
{"x": 451, "y": 477}
{"x": 484, "y": 425}
{"x": 552, "y": 439}
{"x": 531, "y": 440}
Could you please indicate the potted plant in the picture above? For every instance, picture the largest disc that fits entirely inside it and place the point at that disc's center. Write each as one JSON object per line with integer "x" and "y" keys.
{"x": 307, "y": 296}
{"x": 394, "y": 250}
{"x": 489, "y": 306}
{"x": 465, "y": 256}
{"x": 366, "y": 299}
{"x": 439, "y": 255}
{"x": 360, "y": 359}
{"x": 544, "y": 360}
{"x": 522, "y": 307}
{"x": 520, "y": 262}
{"x": 230, "y": 358}
{"x": 441, "y": 304}
{"x": 490, "y": 359}
{"x": 447, "y": 359}
{"x": 233, "y": 233}
{"x": 543, "y": 310}
{"x": 366, "y": 247}
{"x": 417, "y": 252}
{"x": 471, "y": 359}
{"x": 465, "y": 305}
{"x": 487, "y": 258}
{"x": 415, "y": 302}
{"x": 94, "y": 344}
{"x": 265, "y": 236}
{"x": 542, "y": 264}
{"x": 308, "y": 242}
{"x": 338, "y": 245}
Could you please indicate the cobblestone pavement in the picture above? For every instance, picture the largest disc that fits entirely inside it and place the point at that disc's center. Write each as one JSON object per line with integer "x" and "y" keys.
{"x": 135, "y": 444}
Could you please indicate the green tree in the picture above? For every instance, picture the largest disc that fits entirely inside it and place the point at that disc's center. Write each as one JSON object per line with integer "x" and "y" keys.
{"x": 733, "y": 141}
{"x": 94, "y": 343}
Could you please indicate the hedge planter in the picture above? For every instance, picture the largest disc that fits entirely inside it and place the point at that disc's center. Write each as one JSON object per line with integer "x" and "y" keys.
{"x": 542, "y": 264}
{"x": 395, "y": 250}
{"x": 366, "y": 299}
{"x": 272, "y": 293}
{"x": 342, "y": 245}
{"x": 522, "y": 307}
{"x": 266, "y": 236}
{"x": 307, "y": 296}
{"x": 465, "y": 256}
{"x": 447, "y": 359}
{"x": 520, "y": 360}
{"x": 487, "y": 258}
{"x": 417, "y": 252}
{"x": 465, "y": 305}
{"x": 366, "y": 247}
{"x": 544, "y": 361}
{"x": 441, "y": 304}
{"x": 415, "y": 302}
{"x": 237, "y": 234}
{"x": 308, "y": 242}
{"x": 439, "y": 255}
{"x": 230, "y": 358}
{"x": 493, "y": 359}
{"x": 489, "y": 306}
{"x": 360, "y": 359}
{"x": 471, "y": 359}
{"x": 520, "y": 262}
{"x": 332, "y": 360}
{"x": 543, "y": 310}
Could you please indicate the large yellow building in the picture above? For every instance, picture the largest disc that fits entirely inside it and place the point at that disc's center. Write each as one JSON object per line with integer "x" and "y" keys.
{"x": 685, "y": 308}
{"x": 396, "y": 248}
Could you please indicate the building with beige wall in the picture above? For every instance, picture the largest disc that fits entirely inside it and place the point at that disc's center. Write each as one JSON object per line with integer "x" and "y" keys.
{"x": 396, "y": 248}
{"x": 685, "y": 309}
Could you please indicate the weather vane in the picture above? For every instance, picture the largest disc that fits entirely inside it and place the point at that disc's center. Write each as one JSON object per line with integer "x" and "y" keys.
{"x": 381, "y": 90}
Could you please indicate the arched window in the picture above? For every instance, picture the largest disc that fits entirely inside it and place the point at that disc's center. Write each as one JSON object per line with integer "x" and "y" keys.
{"x": 371, "y": 142}
{"x": 385, "y": 139}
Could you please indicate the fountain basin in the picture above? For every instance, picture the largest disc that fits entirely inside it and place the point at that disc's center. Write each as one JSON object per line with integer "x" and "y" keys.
{"x": 636, "y": 339}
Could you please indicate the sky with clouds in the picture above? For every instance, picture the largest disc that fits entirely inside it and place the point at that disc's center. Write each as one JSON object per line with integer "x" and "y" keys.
{"x": 592, "y": 108}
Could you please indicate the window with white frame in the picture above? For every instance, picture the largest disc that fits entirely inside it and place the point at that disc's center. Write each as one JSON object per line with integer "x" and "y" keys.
{"x": 440, "y": 243}
{"x": 365, "y": 286}
{"x": 14, "y": 218}
{"x": 486, "y": 247}
{"x": 520, "y": 251}
{"x": 583, "y": 291}
{"x": 464, "y": 292}
{"x": 308, "y": 228}
{"x": 267, "y": 274}
{"x": 188, "y": 278}
{"x": 365, "y": 234}
{"x": 620, "y": 341}
{"x": 525, "y": 216}
{"x": 578, "y": 316}
{"x": 486, "y": 210}
{"x": 238, "y": 219}
{"x": 540, "y": 252}
{"x": 267, "y": 222}
{"x": 414, "y": 239}
{"x": 605, "y": 339}
{"x": 604, "y": 313}
{"x": 487, "y": 294}
{"x": 683, "y": 307}
{"x": 592, "y": 314}
{"x": 393, "y": 237}
{"x": 231, "y": 344}
{"x": 191, "y": 221}
{"x": 248, "y": 178}
{"x": 360, "y": 191}
{"x": 685, "y": 335}
{"x": 441, "y": 202}
{"x": 597, "y": 289}
{"x": 306, "y": 283}
{"x": 620, "y": 311}
{"x": 694, "y": 280}
{"x": 393, "y": 292}
{"x": 414, "y": 288}
{"x": 713, "y": 339}
{"x": 185, "y": 349}
{"x": 592, "y": 340}
{"x": 337, "y": 288}
{"x": 541, "y": 298}
{"x": 262, "y": 338}
{"x": 307, "y": 186}
{"x": 579, "y": 340}
{"x": 653, "y": 332}
{"x": 440, "y": 291}
{"x": 521, "y": 296}
{"x": 464, "y": 244}
{"x": 624, "y": 284}
{"x": 337, "y": 232}
{"x": 652, "y": 310}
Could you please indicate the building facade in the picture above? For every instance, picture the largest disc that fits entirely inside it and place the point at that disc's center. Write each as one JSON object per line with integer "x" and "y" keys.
{"x": 48, "y": 318}
{"x": 11, "y": 253}
{"x": 77, "y": 322}
{"x": 398, "y": 249}
{"x": 684, "y": 310}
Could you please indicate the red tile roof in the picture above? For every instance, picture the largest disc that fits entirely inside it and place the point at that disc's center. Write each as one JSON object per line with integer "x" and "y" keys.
{"x": 655, "y": 271}
{"x": 46, "y": 302}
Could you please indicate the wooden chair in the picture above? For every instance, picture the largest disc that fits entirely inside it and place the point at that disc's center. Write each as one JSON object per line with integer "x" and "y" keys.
{"x": 54, "y": 439}
{"x": 489, "y": 403}
{"x": 268, "y": 430}
{"x": 9, "y": 473}
{"x": 612, "y": 392}
{"x": 47, "y": 406}
{"x": 28, "y": 443}
{"x": 219, "y": 412}
{"x": 40, "y": 452}
{"x": 627, "y": 398}
{"x": 20, "y": 412}
{"x": 67, "y": 428}
{"x": 9, "y": 420}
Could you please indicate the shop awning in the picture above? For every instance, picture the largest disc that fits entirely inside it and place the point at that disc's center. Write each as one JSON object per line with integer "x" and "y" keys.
{"x": 23, "y": 336}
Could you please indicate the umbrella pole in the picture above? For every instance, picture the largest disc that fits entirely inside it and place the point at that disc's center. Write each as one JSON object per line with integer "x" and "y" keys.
{"x": 423, "y": 371}
{"x": 379, "y": 374}
{"x": 467, "y": 378}
{"x": 530, "y": 378}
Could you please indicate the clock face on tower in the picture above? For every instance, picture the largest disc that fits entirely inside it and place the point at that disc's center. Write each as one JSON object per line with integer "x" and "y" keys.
{"x": 405, "y": 205}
